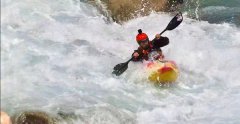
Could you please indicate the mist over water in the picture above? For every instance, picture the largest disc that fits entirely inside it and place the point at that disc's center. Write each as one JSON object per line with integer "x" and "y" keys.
{"x": 57, "y": 56}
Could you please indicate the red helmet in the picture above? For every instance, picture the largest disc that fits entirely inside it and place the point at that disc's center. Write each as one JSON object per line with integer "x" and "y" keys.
{"x": 141, "y": 36}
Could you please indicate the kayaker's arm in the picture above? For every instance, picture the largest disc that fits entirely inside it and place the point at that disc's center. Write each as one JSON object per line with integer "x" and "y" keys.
{"x": 137, "y": 55}
{"x": 160, "y": 42}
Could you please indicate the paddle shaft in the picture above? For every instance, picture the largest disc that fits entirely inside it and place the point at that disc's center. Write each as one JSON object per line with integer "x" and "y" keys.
{"x": 163, "y": 31}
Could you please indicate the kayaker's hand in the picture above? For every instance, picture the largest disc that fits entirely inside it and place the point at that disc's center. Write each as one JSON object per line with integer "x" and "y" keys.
{"x": 135, "y": 54}
{"x": 157, "y": 36}
{"x": 161, "y": 57}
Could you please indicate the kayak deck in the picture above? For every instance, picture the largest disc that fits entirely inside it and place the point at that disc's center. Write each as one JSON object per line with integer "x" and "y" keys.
{"x": 162, "y": 71}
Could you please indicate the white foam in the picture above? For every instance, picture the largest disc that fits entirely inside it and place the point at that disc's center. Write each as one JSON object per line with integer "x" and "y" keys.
{"x": 61, "y": 54}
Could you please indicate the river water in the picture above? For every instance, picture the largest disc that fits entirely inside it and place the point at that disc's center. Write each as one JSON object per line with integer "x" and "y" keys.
{"x": 57, "y": 57}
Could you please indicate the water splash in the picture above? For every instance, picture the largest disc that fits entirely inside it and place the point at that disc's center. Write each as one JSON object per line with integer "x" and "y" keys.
{"x": 58, "y": 58}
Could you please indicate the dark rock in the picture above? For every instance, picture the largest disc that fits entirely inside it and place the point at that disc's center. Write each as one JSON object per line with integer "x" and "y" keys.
{"x": 33, "y": 117}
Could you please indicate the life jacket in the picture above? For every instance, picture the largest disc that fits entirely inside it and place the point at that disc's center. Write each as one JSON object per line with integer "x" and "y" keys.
{"x": 146, "y": 52}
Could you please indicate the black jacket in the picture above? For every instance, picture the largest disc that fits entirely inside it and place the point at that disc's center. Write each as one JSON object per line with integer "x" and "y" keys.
{"x": 155, "y": 44}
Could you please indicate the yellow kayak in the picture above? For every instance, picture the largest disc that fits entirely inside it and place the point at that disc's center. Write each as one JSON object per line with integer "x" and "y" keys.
{"x": 162, "y": 71}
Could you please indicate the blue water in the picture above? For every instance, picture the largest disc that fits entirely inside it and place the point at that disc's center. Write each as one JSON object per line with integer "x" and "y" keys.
{"x": 57, "y": 56}
{"x": 214, "y": 11}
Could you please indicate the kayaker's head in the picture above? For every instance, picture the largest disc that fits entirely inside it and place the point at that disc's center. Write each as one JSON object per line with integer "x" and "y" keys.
{"x": 142, "y": 39}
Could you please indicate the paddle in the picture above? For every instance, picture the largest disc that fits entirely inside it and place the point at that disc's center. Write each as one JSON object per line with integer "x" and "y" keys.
{"x": 177, "y": 19}
{"x": 120, "y": 68}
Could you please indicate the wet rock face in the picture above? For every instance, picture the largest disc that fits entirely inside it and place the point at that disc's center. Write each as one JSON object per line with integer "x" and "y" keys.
{"x": 33, "y": 118}
{"x": 123, "y": 10}
{"x": 127, "y": 9}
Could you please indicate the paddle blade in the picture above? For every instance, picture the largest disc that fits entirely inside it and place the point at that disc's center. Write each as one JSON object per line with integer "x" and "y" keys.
{"x": 120, "y": 68}
{"x": 175, "y": 21}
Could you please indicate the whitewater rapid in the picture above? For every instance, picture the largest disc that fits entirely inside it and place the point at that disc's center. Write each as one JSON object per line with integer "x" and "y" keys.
{"x": 57, "y": 56}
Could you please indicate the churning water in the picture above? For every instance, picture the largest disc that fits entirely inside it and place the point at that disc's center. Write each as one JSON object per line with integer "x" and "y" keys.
{"x": 57, "y": 56}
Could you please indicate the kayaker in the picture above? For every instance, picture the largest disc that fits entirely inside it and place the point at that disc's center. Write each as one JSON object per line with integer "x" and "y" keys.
{"x": 146, "y": 46}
